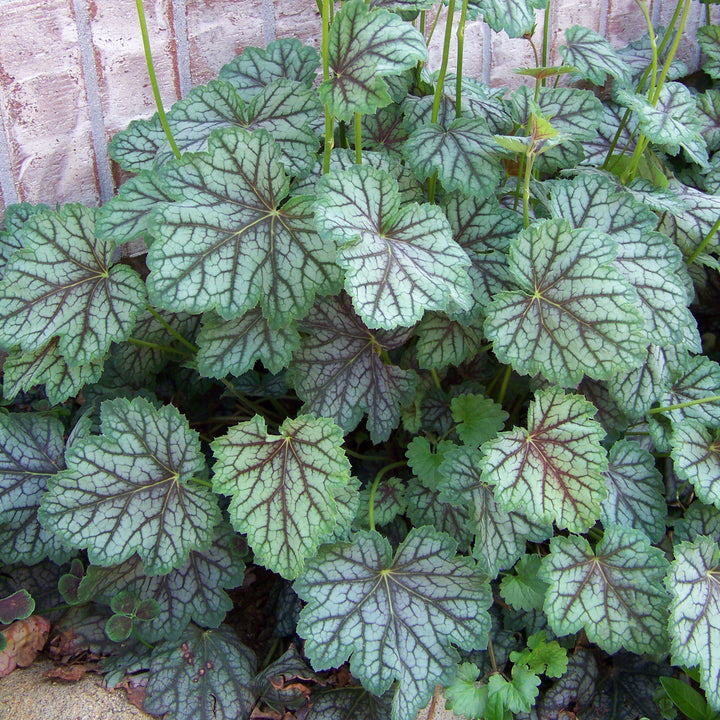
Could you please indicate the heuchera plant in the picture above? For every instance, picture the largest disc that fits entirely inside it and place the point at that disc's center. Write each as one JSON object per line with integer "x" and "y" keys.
{"x": 426, "y": 350}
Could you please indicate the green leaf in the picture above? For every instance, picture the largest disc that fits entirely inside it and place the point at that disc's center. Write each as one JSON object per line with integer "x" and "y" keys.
{"x": 709, "y": 39}
{"x": 257, "y": 67}
{"x": 554, "y": 469}
{"x": 128, "y": 489}
{"x": 689, "y": 226}
{"x": 232, "y": 347}
{"x": 500, "y": 535}
{"x": 635, "y": 491}
{"x": 696, "y": 457}
{"x": 16, "y": 215}
{"x": 548, "y": 658}
{"x": 124, "y": 603}
{"x": 697, "y": 378}
{"x": 515, "y": 18}
{"x": 282, "y": 487}
{"x": 193, "y": 591}
{"x": 119, "y": 628}
{"x": 340, "y": 370}
{"x": 650, "y": 263}
{"x": 592, "y": 56}
{"x": 31, "y": 452}
{"x": 228, "y": 244}
{"x": 575, "y": 114}
{"x": 365, "y": 46}
{"x": 399, "y": 261}
{"x": 443, "y": 341}
{"x": 672, "y": 123}
{"x": 349, "y": 703}
{"x": 635, "y": 391}
{"x": 125, "y": 217}
{"x": 573, "y": 313}
{"x": 694, "y": 582}
{"x": 614, "y": 592}
{"x": 479, "y": 418}
{"x": 466, "y": 696}
{"x": 390, "y": 501}
{"x": 204, "y": 675}
{"x": 518, "y": 694}
{"x": 22, "y": 371}
{"x": 686, "y": 699}
{"x": 62, "y": 284}
{"x": 524, "y": 590}
{"x": 139, "y": 362}
{"x": 461, "y": 152}
{"x": 286, "y": 109}
{"x": 699, "y": 519}
{"x": 136, "y": 147}
{"x": 384, "y": 131}
{"x": 425, "y": 462}
{"x": 394, "y": 617}
{"x": 709, "y": 114}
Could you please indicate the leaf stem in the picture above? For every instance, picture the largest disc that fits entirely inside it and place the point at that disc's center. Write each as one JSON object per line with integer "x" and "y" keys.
{"x": 368, "y": 458}
{"x": 172, "y": 330}
{"x": 504, "y": 385}
{"x": 374, "y": 487}
{"x": 436, "y": 378}
{"x": 153, "y": 78}
{"x": 546, "y": 35}
{"x": 460, "y": 51}
{"x": 491, "y": 653}
{"x": 671, "y": 53}
{"x": 157, "y": 346}
{"x": 443, "y": 62}
{"x": 704, "y": 243}
{"x": 358, "y": 139}
{"x": 200, "y": 481}
{"x": 329, "y": 118}
{"x": 526, "y": 189}
{"x": 680, "y": 406}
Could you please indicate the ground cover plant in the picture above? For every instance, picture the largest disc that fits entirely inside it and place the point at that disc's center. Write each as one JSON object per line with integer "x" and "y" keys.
{"x": 415, "y": 388}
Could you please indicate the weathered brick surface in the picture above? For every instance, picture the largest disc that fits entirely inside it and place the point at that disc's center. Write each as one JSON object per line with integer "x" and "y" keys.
{"x": 43, "y": 98}
{"x": 218, "y": 30}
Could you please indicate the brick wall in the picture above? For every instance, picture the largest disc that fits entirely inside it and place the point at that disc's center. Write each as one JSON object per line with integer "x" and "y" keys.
{"x": 72, "y": 72}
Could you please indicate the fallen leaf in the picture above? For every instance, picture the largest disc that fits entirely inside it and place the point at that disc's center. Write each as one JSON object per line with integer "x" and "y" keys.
{"x": 25, "y": 638}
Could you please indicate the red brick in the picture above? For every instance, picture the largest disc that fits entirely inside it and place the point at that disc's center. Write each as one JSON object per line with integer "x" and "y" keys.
{"x": 298, "y": 18}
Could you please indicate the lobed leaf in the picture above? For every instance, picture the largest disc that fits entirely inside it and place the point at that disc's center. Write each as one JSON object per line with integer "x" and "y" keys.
{"x": 282, "y": 487}
{"x": 592, "y": 56}
{"x": 614, "y": 592}
{"x": 128, "y": 490}
{"x": 63, "y": 284}
{"x": 709, "y": 39}
{"x": 554, "y": 469}
{"x": 696, "y": 458}
{"x": 443, "y": 341}
{"x": 394, "y": 617}
{"x": 399, "y": 260}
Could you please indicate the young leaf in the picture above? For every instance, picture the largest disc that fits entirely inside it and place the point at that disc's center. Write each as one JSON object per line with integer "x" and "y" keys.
{"x": 709, "y": 39}
{"x": 462, "y": 153}
{"x": 17, "y": 606}
{"x": 232, "y": 347}
{"x": 257, "y": 67}
{"x": 592, "y": 56}
{"x": 554, "y": 469}
{"x": 194, "y": 591}
{"x": 686, "y": 699}
{"x": 614, "y": 592}
{"x": 128, "y": 489}
{"x": 204, "y": 675}
{"x": 709, "y": 114}
{"x": 394, "y": 617}
{"x": 425, "y": 462}
{"x": 672, "y": 123}
{"x": 651, "y": 264}
{"x": 399, "y": 260}
{"x": 31, "y": 452}
{"x": 500, "y": 535}
{"x": 136, "y": 147}
{"x": 694, "y": 582}
{"x": 349, "y": 703}
{"x": 635, "y": 491}
{"x": 282, "y": 487}
{"x": 340, "y": 372}
{"x": 524, "y": 590}
{"x": 466, "y": 696}
{"x": 62, "y": 284}
{"x": 365, "y": 46}
{"x": 516, "y": 695}
{"x": 573, "y": 312}
{"x": 696, "y": 454}
{"x": 228, "y": 244}
{"x": 23, "y": 371}
{"x": 479, "y": 418}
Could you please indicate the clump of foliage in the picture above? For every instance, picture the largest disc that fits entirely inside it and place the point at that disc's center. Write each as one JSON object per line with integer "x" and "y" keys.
{"x": 440, "y": 357}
